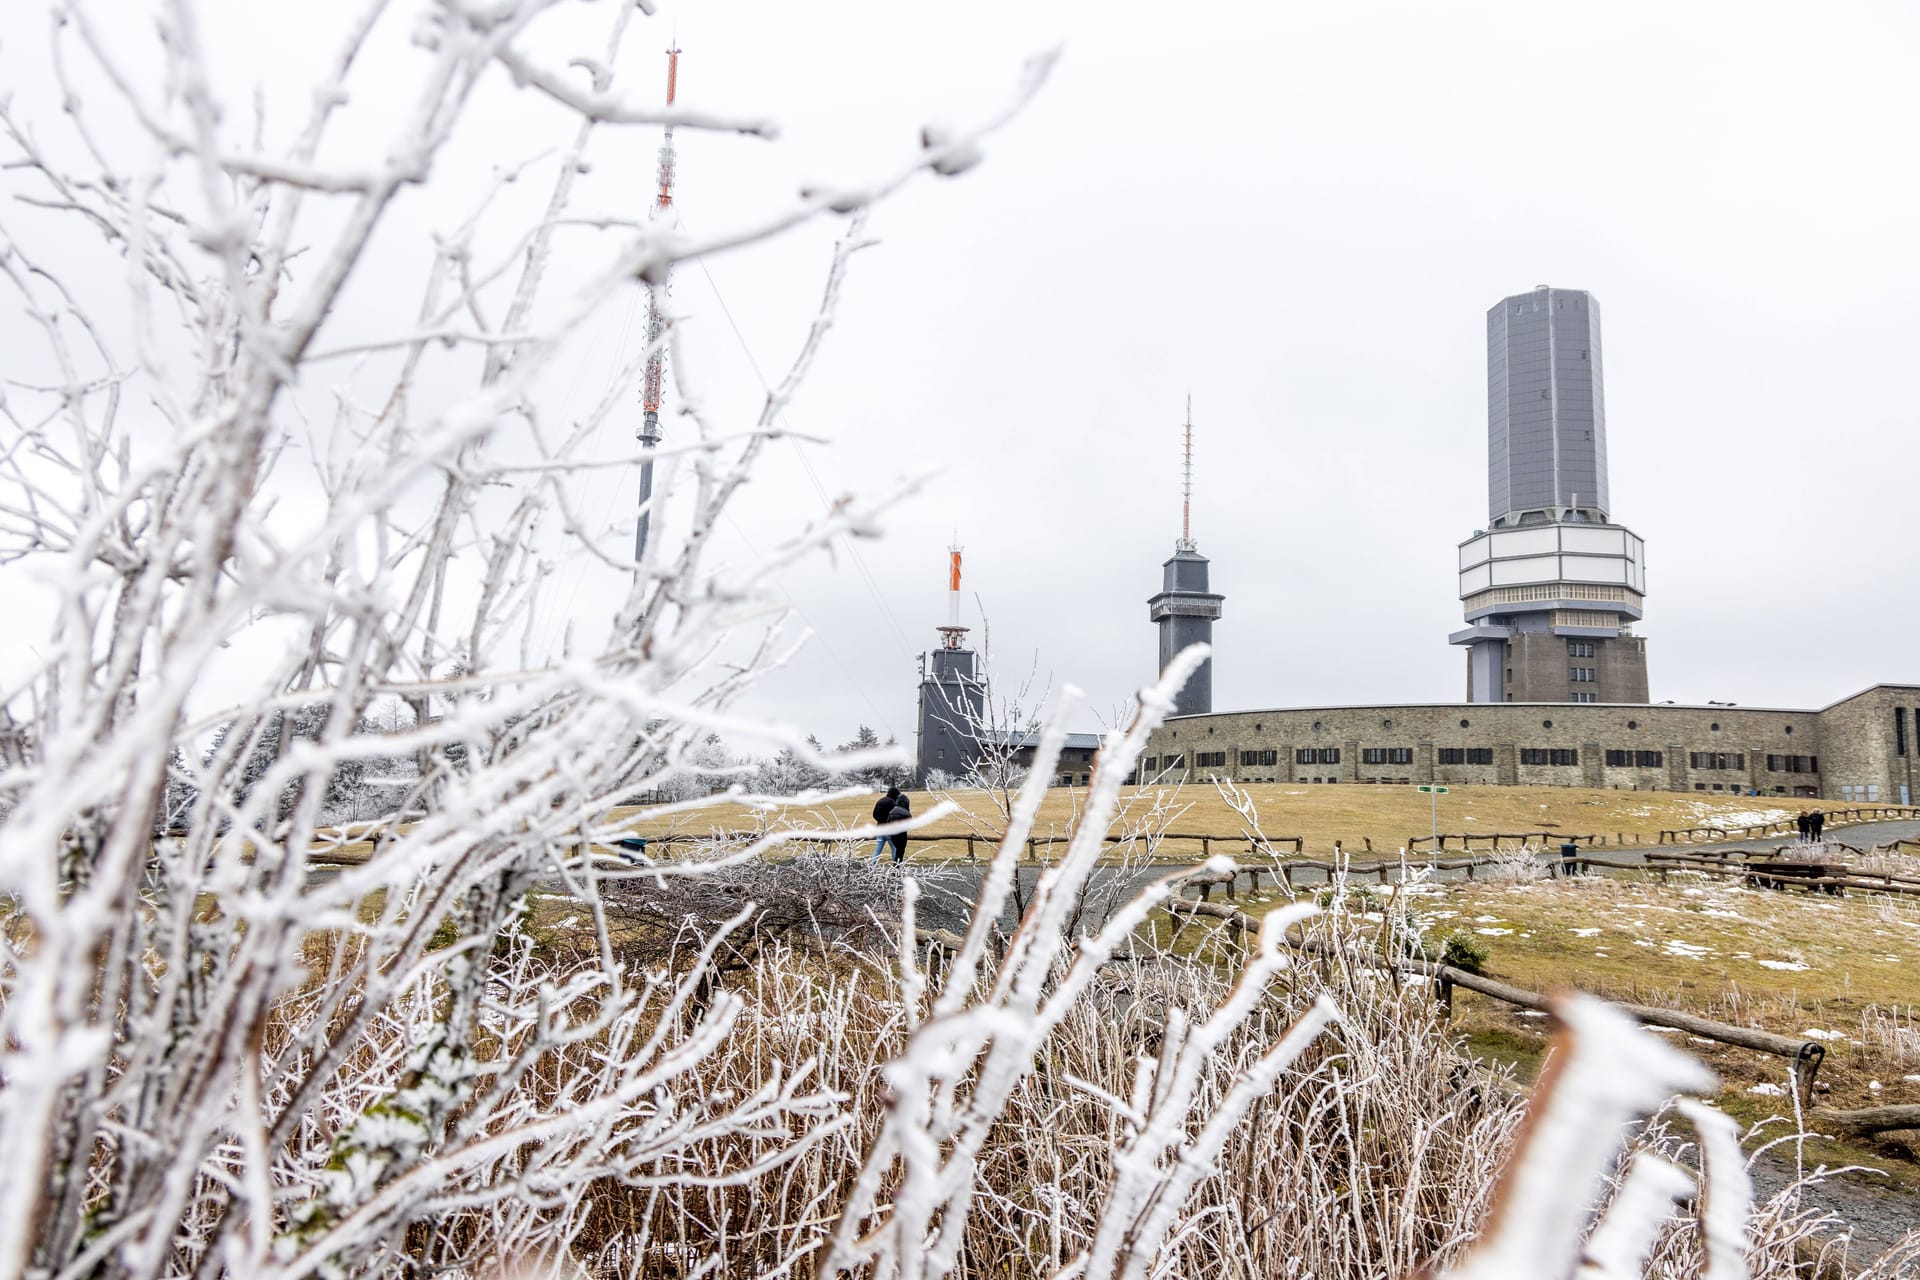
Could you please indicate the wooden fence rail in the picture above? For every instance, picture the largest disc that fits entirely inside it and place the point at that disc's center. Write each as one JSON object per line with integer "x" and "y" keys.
{"x": 972, "y": 840}
{"x": 1494, "y": 840}
{"x": 1805, "y": 1055}
{"x": 1838, "y": 817}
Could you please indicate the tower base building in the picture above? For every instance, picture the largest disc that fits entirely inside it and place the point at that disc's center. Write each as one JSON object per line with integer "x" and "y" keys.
{"x": 1859, "y": 750}
{"x": 1550, "y": 605}
{"x": 952, "y": 706}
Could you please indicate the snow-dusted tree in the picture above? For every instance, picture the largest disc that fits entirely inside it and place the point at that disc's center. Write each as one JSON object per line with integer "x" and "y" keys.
{"x": 884, "y": 764}
{"x": 214, "y": 1061}
{"x": 787, "y": 773}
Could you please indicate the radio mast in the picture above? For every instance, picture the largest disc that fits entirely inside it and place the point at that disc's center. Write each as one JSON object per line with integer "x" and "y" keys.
{"x": 657, "y": 295}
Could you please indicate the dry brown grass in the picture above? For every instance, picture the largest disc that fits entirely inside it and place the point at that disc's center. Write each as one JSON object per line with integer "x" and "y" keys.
{"x": 1374, "y": 1157}
{"x": 1786, "y": 962}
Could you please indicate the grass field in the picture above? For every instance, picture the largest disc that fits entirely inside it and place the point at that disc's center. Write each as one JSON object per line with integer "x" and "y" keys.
{"x": 1845, "y": 971}
{"x": 1353, "y": 815}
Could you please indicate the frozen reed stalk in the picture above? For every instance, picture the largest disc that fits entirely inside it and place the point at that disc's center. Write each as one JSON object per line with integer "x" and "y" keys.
{"x": 977, "y": 1046}
{"x": 261, "y": 528}
{"x": 1603, "y": 1072}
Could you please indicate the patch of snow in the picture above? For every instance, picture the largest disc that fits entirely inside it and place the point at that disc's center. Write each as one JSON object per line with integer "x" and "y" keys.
{"x": 1767, "y": 1090}
{"x": 1719, "y": 914}
{"x": 1585, "y": 933}
{"x": 1494, "y": 933}
{"x": 1532, "y": 1013}
{"x": 1689, "y": 950}
{"x": 1788, "y": 966}
{"x": 1487, "y": 920}
{"x": 1815, "y": 1033}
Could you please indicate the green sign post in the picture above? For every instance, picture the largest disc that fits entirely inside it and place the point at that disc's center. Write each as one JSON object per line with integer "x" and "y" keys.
{"x": 1433, "y": 812}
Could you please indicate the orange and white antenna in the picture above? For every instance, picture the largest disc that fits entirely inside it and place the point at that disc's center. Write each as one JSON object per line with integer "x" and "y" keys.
{"x": 1186, "y": 542}
{"x": 656, "y": 315}
{"x": 952, "y": 634}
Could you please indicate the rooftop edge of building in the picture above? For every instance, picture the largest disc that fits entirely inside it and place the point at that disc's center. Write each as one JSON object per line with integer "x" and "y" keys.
{"x": 1913, "y": 687}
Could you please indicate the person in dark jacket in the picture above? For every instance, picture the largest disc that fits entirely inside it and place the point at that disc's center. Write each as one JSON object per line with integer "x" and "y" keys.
{"x": 900, "y": 812}
{"x": 1819, "y": 825}
{"x": 881, "y": 808}
{"x": 1805, "y": 824}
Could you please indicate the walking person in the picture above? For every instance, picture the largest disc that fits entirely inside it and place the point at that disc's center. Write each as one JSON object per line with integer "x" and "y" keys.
{"x": 1804, "y": 823}
{"x": 900, "y": 812}
{"x": 1819, "y": 821}
{"x": 881, "y": 808}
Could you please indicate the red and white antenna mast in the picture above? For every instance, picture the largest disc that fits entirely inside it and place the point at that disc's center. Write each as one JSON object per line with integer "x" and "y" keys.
{"x": 655, "y": 377}
{"x": 953, "y": 634}
{"x": 1186, "y": 542}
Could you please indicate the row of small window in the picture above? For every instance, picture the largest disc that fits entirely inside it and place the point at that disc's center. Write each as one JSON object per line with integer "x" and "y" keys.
{"x": 1583, "y": 697}
{"x": 1636, "y": 759}
{"x": 1580, "y": 675}
{"x": 1549, "y": 755}
{"x": 1579, "y": 648}
{"x": 1738, "y": 760}
{"x": 1484, "y": 755}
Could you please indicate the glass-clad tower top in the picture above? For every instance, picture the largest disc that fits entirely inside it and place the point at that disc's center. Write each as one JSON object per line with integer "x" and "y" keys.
{"x": 1546, "y": 417}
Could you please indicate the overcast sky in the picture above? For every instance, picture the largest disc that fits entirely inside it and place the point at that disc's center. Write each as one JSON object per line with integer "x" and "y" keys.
{"x": 1298, "y": 214}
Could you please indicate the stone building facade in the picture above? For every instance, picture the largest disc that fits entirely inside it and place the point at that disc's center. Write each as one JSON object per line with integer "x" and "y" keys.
{"x": 1861, "y": 749}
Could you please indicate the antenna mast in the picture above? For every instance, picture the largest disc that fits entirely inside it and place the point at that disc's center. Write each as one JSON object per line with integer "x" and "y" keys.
{"x": 654, "y": 378}
{"x": 1186, "y": 542}
{"x": 953, "y": 634}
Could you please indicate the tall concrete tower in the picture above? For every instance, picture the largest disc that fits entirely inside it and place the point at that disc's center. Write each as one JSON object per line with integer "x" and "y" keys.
{"x": 1185, "y": 608}
{"x": 1552, "y": 586}
{"x": 952, "y": 695}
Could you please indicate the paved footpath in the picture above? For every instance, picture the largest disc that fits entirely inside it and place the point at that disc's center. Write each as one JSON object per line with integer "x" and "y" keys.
{"x": 1861, "y": 835}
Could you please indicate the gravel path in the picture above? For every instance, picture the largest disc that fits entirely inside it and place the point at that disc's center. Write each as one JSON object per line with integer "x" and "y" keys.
{"x": 1876, "y": 1216}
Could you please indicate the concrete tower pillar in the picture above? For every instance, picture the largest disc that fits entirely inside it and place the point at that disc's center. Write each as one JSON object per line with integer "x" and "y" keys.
{"x": 1185, "y": 610}
{"x": 1553, "y": 586}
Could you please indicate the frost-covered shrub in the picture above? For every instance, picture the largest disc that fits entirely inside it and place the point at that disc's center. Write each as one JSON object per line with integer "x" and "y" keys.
{"x": 1464, "y": 951}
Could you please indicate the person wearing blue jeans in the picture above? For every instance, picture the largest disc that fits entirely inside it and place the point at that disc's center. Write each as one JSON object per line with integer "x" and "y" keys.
{"x": 881, "y": 808}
